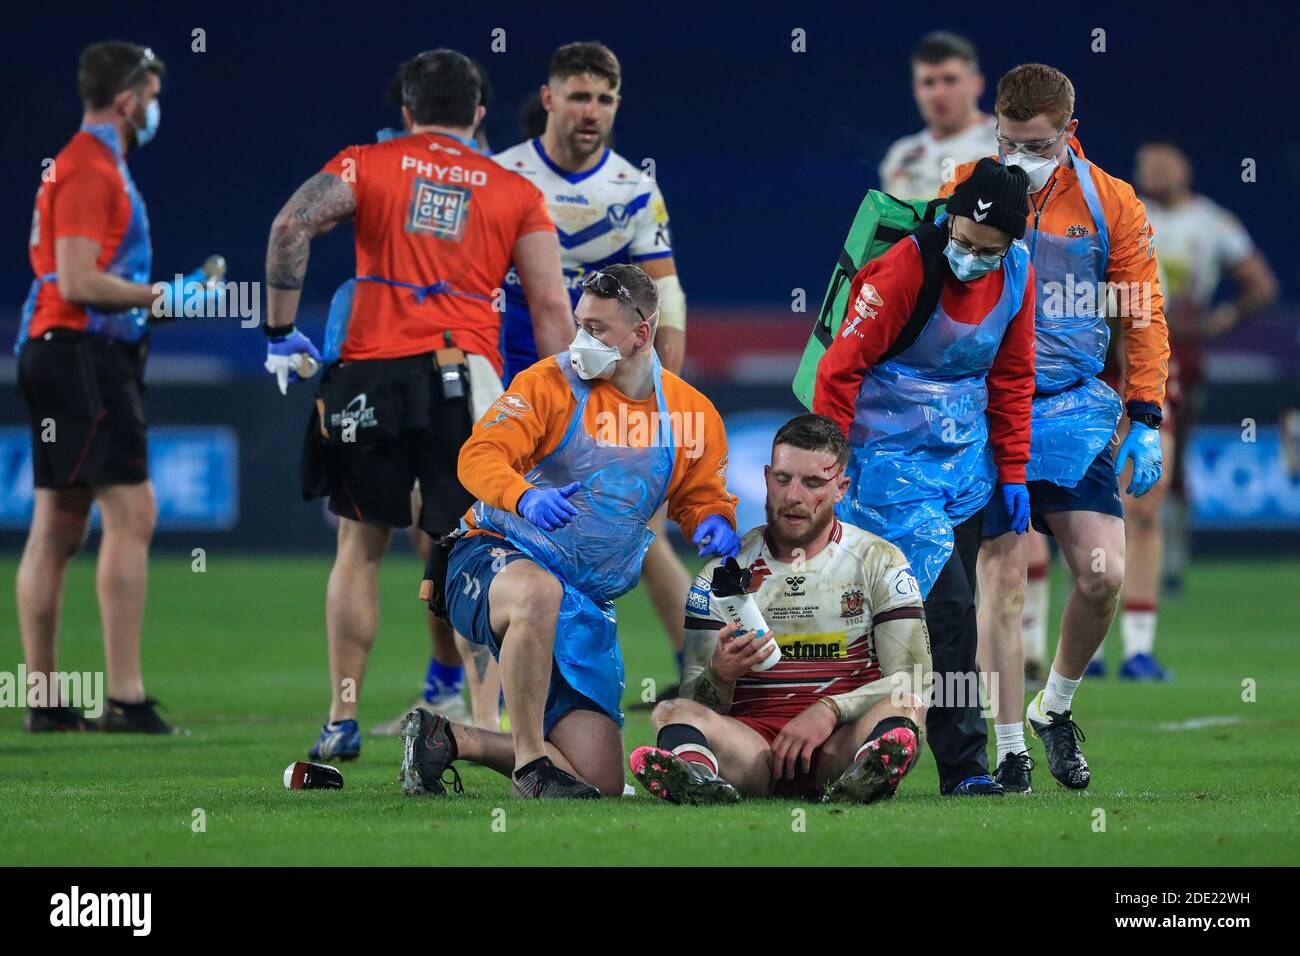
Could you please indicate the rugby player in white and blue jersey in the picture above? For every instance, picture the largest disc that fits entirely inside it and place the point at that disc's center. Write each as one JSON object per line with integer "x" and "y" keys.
{"x": 606, "y": 210}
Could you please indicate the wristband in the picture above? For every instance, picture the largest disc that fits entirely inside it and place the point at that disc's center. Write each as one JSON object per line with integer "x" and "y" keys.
{"x": 1148, "y": 419}
{"x": 835, "y": 708}
{"x": 278, "y": 331}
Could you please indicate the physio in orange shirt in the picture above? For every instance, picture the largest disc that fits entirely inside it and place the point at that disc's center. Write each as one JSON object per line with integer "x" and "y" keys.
{"x": 437, "y": 225}
{"x": 1091, "y": 244}
{"x": 569, "y": 466}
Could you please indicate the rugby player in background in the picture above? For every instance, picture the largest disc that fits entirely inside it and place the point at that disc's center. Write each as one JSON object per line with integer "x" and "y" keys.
{"x": 947, "y": 84}
{"x": 606, "y": 210}
{"x": 841, "y": 713}
{"x": 1199, "y": 241}
{"x": 437, "y": 224}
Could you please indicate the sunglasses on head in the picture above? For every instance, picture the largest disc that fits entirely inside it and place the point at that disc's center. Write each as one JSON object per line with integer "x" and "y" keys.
{"x": 608, "y": 287}
{"x": 147, "y": 60}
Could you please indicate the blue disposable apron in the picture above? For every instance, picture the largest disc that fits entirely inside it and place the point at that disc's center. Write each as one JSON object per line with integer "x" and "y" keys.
{"x": 597, "y": 556}
{"x": 132, "y": 260}
{"x": 920, "y": 459}
{"x": 1075, "y": 413}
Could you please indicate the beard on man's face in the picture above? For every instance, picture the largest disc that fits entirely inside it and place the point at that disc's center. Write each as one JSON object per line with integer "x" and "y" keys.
{"x": 798, "y": 526}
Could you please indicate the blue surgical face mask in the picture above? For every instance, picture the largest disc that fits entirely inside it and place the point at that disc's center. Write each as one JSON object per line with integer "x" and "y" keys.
{"x": 152, "y": 116}
{"x": 967, "y": 266}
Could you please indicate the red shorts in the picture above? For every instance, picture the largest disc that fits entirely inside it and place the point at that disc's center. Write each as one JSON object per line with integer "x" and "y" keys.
{"x": 768, "y": 726}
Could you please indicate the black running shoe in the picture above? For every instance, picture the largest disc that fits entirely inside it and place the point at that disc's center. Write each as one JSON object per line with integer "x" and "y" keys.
{"x": 669, "y": 777}
{"x": 1013, "y": 772}
{"x": 54, "y": 720}
{"x": 1061, "y": 737}
{"x": 428, "y": 748}
{"x": 548, "y": 782}
{"x": 141, "y": 718}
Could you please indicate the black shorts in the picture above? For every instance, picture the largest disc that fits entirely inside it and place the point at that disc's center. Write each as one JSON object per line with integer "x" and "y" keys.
{"x": 401, "y": 431}
{"x": 85, "y": 403}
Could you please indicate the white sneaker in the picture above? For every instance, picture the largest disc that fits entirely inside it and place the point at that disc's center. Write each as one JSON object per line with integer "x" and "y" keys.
{"x": 452, "y": 706}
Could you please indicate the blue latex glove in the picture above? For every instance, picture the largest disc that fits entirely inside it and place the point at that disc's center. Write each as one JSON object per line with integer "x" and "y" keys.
{"x": 548, "y": 508}
{"x": 284, "y": 356}
{"x": 723, "y": 542}
{"x": 1016, "y": 498}
{"x": 172, "y": 297}
{"x": 1143, "y": 446}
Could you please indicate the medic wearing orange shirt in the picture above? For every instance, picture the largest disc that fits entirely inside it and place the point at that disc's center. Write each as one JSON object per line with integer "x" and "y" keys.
{"x": 82, "y": 344}
{"x": 569, "y": 466}
{"x": 437, "y": 226}
{"x": 1090, "y": 243}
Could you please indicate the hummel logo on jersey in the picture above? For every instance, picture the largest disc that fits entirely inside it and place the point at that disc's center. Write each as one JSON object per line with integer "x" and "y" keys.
{"x": 796, "y": 586}
{"x": 983, "y": 207}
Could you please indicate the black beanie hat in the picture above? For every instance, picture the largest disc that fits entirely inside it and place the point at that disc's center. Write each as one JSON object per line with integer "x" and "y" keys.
{"x": 994, "y": 195}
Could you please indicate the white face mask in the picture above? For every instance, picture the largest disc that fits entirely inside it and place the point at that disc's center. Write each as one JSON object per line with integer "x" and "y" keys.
{"x": 591, "y": 358}
{"x": 1039, "y": 168}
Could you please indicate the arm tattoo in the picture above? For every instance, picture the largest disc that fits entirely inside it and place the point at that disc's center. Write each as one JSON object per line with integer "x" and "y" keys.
{"x": 319, "y": 204}
{"x": 706, "y": 694}
{"x": 708, "y": 689}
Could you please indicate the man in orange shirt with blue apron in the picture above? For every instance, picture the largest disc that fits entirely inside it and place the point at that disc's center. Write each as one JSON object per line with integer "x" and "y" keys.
{"x": 1090, "y": 242}
{"x": 570, "y": 465}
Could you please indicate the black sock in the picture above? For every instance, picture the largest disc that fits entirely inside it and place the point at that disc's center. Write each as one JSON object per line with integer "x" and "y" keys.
{"x": 672, "y": 736}
{"x": 889, "y": 723}
{"x": 529, "y": 767}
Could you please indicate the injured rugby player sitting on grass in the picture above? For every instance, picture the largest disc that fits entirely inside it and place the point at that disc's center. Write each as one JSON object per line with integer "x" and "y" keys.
{"x": 836, "y": 716}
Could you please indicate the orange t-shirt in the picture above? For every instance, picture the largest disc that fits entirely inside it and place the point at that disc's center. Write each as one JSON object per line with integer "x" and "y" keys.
{"x": 1132, "y": 260}
{"x": 86, "y": 196}
{"x": 528, "y": 422}
{"x": 431, "y": 210}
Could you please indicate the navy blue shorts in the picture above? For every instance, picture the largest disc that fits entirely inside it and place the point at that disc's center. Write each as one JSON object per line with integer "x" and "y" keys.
{"x": 1097, "y": 490}
{"x": 474, "y": 561}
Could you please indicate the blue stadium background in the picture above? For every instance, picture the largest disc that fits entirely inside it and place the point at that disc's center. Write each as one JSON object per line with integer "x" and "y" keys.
{"x": 762, "y": 154}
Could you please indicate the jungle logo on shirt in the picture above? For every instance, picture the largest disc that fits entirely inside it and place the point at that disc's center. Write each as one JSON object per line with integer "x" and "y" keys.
{"x": 438, "y": 210}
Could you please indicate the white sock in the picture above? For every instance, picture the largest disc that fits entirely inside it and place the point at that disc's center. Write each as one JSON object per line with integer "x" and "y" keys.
{"x": 1058, "y": 695}
{"x": 1139, "y": 630}
{"x": 1011, "y": 739}
{"x": 1033, "y": 618}
{"x": 697, "y": 754}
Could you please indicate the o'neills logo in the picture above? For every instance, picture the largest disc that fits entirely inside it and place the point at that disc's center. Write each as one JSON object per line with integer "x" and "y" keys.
{"x": 75, "y": 908}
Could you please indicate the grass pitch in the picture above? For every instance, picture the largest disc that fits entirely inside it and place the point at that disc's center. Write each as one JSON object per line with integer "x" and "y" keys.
{"x": 1186, "y": 773}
